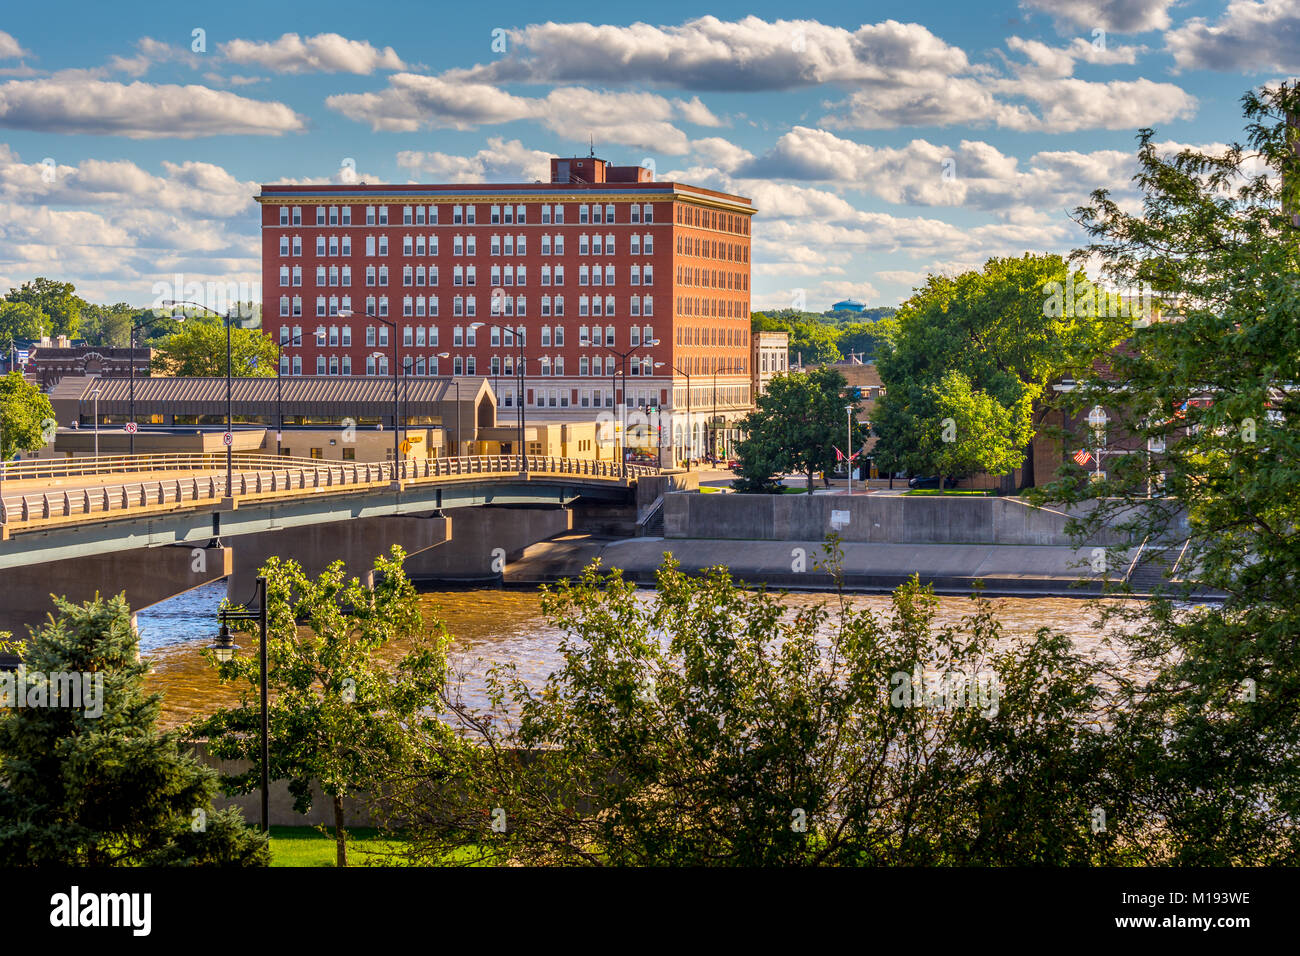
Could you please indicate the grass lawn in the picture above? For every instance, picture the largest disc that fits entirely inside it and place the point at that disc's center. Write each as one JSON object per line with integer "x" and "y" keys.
{"x": 307, "y": 846}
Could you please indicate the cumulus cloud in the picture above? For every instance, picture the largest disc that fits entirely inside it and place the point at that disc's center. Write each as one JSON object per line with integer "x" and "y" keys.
{"x": 9, "y": 48}
{"x": 322, "y": 53}
{"x": 71, "y": 104}
{"x": 1122, "y": 16}
{"x": 1249, "y": 37}
{"x": 115, "y": 228}
{"x": 500, "y": 161}
{"x": 413, "y": 102}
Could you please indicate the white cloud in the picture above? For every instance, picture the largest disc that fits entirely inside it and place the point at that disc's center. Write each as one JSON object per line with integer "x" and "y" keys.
{"x": 322, "y": 53}
{"x": 138, "y": 110}
{"x": 711, "y": 54}
{"x": 1122, "y": 16}
{"x": 9, "y": 48}
{"x": 114, "y": 228}
{"x": 1249, "y": 37}
{"x": 413, "y": 102}
{"x": 500, "y": 161}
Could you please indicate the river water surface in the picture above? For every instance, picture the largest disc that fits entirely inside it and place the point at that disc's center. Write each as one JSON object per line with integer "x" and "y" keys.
{"x": 488, "y": 626}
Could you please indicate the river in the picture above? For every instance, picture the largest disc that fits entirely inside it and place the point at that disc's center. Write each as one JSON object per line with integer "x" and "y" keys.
{"x": 488, "y": 625}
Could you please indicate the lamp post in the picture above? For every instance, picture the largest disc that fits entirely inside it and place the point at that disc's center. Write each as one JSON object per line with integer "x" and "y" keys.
{"x": 293, "y": 342}
{"x": 690, "y": 439}
{"x": 223, "y": 650}
{"x": 130, "y": 363}
{"x": 848, "y": 448}
{"x": 1097, "y": 418}
{"x": 623, "y": 357}
{"x": 397, "y": 485}
{"x": 96, "y": 394}
{"x": 455, "y": 381}
{"x": 518, "y": 338}
{"x": 230, "y": 417}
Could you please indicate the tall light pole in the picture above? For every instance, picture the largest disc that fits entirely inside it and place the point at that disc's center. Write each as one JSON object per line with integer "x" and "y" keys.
{"x": 848, "y": 448}
{"x": 690, "y": 443}
{"x": 294, "y": 342}
{"x": 130, "y": 362}
{"x": 96, "y": 394}
{"x": 623, "y": 357}
{"x": 397, "y": 485}
{"x": 518, "y": 338}
{"x": 455, "y": 381}
{"x": 228, "y": 439}
{"x": 223, "y": 650}
{"x": 1097, "y": 418}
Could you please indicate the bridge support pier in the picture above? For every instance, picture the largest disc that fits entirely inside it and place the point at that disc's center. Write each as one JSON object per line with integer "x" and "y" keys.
{"x": 486, "y": 540}
{"x": 146, "y": 575}
{"x": 358, "y": 542}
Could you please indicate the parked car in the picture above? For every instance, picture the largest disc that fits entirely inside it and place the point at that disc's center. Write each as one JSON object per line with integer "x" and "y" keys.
{"x": 930, "y": 482}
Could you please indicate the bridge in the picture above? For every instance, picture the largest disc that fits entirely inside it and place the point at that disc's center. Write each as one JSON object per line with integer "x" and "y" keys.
{"x": 157, "y": 525}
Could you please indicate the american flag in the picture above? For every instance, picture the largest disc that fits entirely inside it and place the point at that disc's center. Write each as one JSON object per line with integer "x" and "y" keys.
{"x": 1082, "y": 456}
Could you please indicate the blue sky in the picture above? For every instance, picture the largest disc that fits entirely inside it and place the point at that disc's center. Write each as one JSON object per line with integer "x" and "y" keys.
{"x": 880, "y": 142}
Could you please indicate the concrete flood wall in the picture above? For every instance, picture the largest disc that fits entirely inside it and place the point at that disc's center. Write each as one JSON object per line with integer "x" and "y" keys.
{"x": 867, "y": 518}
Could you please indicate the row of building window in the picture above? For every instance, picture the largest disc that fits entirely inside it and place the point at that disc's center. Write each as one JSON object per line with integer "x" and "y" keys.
{"x": 638, "y": 275}
{"x": 341, "y": 246}
{"x": 712, "y": 308}
{"x": 713, "y": 278}
{"x": 499, "y": 304}
{"x": 463, "y": 336}
{"x": 467, "y": 214}
{"x": 710, "y": 249}
{"x": 547, "y": 366}
{"x": 697, "y": 336}
{"x": 703, "y": 218}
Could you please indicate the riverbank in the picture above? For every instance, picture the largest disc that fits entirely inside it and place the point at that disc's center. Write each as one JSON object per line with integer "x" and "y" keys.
{"x": 1005, "y": 570}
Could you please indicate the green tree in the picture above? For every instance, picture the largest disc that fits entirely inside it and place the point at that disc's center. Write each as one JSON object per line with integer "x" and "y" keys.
{"x": 21, "y": 321}
{"x": 26, "y": 416}
{"x": 199, "y": 348}
{"x": 994, "y": 326}
{"x": 1213, "y": 735}
{"x": 342, "y": 715}
{"x": 972, "y": 431}
{"x": 98, "y": 784}
{"x": 703, "y": 724}
{"x": 799, "y": 422}
{"x": 109, "y": 326}
{"x": 56, "y": 300}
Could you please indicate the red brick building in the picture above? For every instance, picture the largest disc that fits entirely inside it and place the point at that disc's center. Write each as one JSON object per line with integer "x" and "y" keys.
{"x": 593, "y": 265}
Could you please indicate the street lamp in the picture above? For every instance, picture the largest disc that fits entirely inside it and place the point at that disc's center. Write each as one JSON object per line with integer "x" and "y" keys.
{"x": 690, "y": 438}
{"x": 348, "y": 313}
{"x": 293, "y": 342}
{"x": 96, "y": 394}
{"x": 224, "y": 650}
{"x": 130, "y": 361}
{"x": 1097, "y": 418}
{"x": 518, "y": 337}
{"x": 455, "y": 381}
{"x": 623, "y": 357}
{"x": 848, "y": 449}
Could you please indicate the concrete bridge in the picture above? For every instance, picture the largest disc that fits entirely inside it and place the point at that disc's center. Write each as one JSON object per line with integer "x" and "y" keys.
{"x": 158, "y": 525}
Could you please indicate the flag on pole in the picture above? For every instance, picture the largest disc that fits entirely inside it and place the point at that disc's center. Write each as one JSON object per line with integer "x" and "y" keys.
{"x": 1082, "y": 456}
{"x": 839, "y": 455}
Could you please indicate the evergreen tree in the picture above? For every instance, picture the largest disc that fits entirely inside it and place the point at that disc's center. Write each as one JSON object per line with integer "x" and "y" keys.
{"x": 99, "y": 784}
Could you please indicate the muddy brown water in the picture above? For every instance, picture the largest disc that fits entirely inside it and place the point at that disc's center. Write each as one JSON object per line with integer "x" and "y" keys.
{"x": 501, "y": 626}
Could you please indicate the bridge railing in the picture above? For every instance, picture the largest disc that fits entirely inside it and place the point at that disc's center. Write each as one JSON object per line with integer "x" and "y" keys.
{"x": 83, "y": 466}
{"x": 270, "y": 477}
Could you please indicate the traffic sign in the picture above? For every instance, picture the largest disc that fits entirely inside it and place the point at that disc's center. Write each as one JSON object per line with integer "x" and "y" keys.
{"x": 130, "y": 428}
{"x": 227, "y": 439}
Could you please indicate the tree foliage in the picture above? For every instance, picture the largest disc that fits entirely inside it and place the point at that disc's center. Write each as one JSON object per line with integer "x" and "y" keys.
{"x": 700, "y": 724}
{"x": 799, "y": 422}
{"x": 80, "y": 787}
{"x": 198, "y": 347}
{"x": 971, "y": 431}
{"x": 993, "y": 327}
{"x": 57, "y": 301}
{"x": 343, "y": 714}
{"x": 21, "y": 321}
{"x": 26, "y": 416}
{"x": 1215, "y": 735}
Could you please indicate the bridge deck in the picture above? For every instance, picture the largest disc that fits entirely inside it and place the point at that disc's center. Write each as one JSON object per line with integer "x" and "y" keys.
{"x": 41, "y": 496}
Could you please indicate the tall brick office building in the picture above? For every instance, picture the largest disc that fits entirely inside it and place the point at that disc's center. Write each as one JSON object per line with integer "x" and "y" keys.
{"x": 601, "y": 260}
